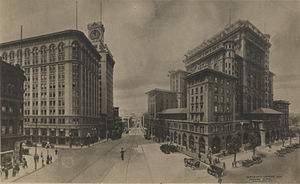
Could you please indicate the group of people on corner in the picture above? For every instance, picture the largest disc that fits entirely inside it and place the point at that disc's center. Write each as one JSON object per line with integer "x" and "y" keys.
{"x": 16, "y": 166}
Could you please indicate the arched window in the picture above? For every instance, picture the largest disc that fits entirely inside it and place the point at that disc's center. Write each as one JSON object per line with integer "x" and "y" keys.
{"x": 4, "y": 56}
{"x": 19, "y": 57}
{"x": 12, "y": 57}
{"x": 27, "y": 56}
{"x": 35, "y": 55}
{"x": 43, "y": 54}
{"x": 61, "y": 51}
{"x": 75, "y": 50}
{"x": 52, "y": 53}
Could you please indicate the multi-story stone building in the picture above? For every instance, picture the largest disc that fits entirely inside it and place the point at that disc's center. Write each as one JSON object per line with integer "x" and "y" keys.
{"x": 211, "y": 96}
{"x": 159, "y": 100}
{"x": 283, "y": 106}
{"x": 106, "y": 64}
{"x": 178, "y": 85}
{"x": 229, "y": 93}
{"x": 11, "y": 116}
{"x": 61, "y": 99}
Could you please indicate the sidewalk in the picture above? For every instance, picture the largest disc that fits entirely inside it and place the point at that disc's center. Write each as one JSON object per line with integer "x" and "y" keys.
{"x": 30, "y": 162}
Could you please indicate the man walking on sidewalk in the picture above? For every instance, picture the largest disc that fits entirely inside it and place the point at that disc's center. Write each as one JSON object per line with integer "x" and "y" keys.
{"x": 122, "y": 154}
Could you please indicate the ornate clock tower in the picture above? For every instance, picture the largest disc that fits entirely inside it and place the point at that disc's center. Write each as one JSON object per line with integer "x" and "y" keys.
{"x": 96, "y": 35}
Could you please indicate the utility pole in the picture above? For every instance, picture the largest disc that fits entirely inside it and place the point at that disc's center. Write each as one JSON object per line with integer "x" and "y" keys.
{"x": 76, "y": 15}
{"x": 229, "y": 16}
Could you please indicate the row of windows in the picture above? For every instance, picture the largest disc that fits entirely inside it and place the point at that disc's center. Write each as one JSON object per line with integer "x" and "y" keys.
{"x": 34, "y": 52}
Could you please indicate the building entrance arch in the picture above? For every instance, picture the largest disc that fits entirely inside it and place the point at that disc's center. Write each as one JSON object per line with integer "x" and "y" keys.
{"x": 216, "y": 145}
{"x": 184, "y": 140}
{"x": 191, "y": 142}
{"x": 267, "y": 138}
{"x": 273, "y": 136}
{"x": 201, "y": 145}
{"x": 228, "y": 140}
{"x": 245, "y": 138}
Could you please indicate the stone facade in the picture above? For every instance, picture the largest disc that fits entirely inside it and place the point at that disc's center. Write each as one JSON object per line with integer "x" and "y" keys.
{"x": 61, "y": 99}
{"x": 179, "y": 85}
{"x": 159, "y": 100}
{"x": 11, "y": 116}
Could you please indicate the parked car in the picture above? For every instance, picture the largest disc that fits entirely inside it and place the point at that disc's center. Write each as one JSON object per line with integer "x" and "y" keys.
{"x": 257, "y": 160}
{"x": 190, "y": 162}
{"x": 247, "y": 163}
{"x": 164, "y": 149}
{"x": 215, "y": 171}
{"x": 278, "y": 154}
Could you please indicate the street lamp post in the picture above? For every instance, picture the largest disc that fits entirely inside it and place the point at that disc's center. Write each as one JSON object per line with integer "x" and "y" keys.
{"x": 35, "y": 155}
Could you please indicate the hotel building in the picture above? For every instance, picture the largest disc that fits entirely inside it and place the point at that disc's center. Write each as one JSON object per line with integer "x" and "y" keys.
{"x": 62, "y": 93}
{"x": 229, "y": 93}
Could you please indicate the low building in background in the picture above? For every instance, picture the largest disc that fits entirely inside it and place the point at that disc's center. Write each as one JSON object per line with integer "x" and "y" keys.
{"x": 11, "y": 117}
{"x": 283, "y": 106}
{"x": 159, "y": 100}
{"x": 179, "y": 85}
{"x": 175, "y": 113}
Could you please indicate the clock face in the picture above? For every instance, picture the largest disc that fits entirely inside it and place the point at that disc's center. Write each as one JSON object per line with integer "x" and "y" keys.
{"x": 95, "y": 34}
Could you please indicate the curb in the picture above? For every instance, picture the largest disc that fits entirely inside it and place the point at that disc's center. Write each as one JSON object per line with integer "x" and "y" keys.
{"x": 27, "y": 174}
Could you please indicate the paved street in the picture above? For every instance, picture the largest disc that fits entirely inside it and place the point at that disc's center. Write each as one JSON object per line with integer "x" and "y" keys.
{"x": 275, "y": 169}
{"x": 145, "y": 163}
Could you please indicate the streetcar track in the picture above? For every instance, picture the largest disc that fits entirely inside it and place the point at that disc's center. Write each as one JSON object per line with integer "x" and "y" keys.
{"x": 92, "y": 163}
{"x": 129, "y": 157}
{"x": 147, "y": 165}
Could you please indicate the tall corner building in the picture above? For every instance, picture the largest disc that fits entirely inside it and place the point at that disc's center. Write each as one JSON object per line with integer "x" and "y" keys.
{"x": 106, "y": 64}
{"x": 239, "y": 56}
{"x": 61, "y": 99}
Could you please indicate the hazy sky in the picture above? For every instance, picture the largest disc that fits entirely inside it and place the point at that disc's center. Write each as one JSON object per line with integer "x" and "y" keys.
{"x": 149, "y": 38}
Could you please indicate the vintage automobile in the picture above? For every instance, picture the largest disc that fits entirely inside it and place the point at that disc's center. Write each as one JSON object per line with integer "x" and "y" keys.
{"x": 215, "y": 171}
{"x": 190, "y": 162}
{"x": 164, "y": 149}
{"x": 247, "y": 163}
{"x": 256, "y": 159}
{"x": 278, "y": 154}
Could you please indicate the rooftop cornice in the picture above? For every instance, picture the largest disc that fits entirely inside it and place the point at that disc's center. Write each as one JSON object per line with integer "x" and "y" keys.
{"x": 229, "y": 29}
{"x": 209, "y": 70}
{"x": 70, "y": 32}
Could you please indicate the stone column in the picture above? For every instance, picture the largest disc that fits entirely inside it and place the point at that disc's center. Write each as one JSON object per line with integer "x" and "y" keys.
{"x": 263, "y": 138}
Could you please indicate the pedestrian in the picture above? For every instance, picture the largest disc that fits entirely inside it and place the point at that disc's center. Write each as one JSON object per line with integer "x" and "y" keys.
{"x": 17, "y": 167}
{"x": 199, "y": 156}
{"x": 25, "y": 163}
{"x": 232, "y": 165}
{"x": 224, "y": 166}
{"x": 14, "y": 171}
{"x": 6, "y": 172}
{"x": 56, "y": 151}
{"x": 48, "y": 159}
{"x": 37, "y": 158}
{"x": 219, "y": 180}
{"x": 122, "y": 153}
{"x": 43, "y": 164}
{"x": 41, "y": 154}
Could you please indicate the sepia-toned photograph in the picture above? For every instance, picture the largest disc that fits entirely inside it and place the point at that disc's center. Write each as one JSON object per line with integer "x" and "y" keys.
{"x": 150, "y": 91}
